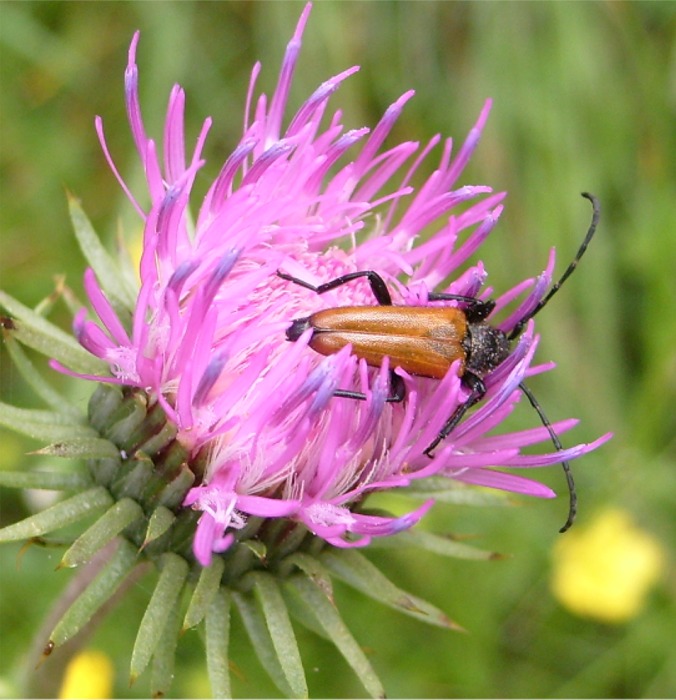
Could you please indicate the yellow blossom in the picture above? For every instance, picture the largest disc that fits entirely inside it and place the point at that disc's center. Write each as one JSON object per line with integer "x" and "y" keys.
{"x": 88, "y": 675}
{"x": 604, "y": 571}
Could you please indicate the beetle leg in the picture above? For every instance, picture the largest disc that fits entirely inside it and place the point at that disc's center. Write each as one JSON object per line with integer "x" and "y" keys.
{"x": 478, "y": 389}
{"x": 396, "y": 385}
{"x": 378, "y": 286}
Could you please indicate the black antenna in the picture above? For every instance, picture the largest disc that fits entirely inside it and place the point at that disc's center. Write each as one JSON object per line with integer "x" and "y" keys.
{"x": 572, "y": 507}
{"x": 569, "y": 270}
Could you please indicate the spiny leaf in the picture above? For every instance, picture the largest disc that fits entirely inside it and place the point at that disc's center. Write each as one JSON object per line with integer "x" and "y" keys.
{"x": 162, "y": 673}
{"x": 42, "y": 425}
{"x": 437, "y": 544}
{"x": 81, "y": 448}
{"x": 205, "y": 590}
{"x": 281, "y": 632}
{"x": 97, "y": 593}
{"x": 53, "y": 398}
{"x": 327, "y": 616}
{"x": 63, "y": 513}
{"x": 120, "y": 294}
{"x": 40, "y": 334}
{"x": 49, "y": 481}
{"x": 357, "y": 571}
{"x": 174, "y": 571}
{"x": 161, "y": 519}
{"x": 217, "y": 643}
{"x": 119, "y": 516}
{"x": 260, "y": 640}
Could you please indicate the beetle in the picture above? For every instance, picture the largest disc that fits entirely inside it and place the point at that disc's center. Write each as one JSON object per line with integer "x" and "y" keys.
{"x": 426, "y": 340}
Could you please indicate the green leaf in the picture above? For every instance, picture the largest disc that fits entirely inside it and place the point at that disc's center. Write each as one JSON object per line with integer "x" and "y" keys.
{"x": 217, "y": 644}
{"x": 205, "y": 590}
{"x": 40, "y": 334}
{"x": 118, "y": 517}
{"x": 49, "y": 481}
{"x": 39, "y": 384}
{"x": 446, "y": 546}
{"x": 81, "y": 448}
{"x": 281, "y": 632}
{"x": 42, "y": 425}
{"x": 162, "y": 673}
{"x": 161, "y": 519}
{"x": 174, "y": 571}
{"x": 357, "y": 571}
{"x": 63, "y": 513}
{"x": 327, "y": 616}
{"x": 258, "y": 632}
{"x": 97, "y": 593}
{"x": 120, "y": 294}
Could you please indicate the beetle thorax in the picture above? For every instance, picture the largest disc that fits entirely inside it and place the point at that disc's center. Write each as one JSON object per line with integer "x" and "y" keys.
{"x": 486, "y": 348}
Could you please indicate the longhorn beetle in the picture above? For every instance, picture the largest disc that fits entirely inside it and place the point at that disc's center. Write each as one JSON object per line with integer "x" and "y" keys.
{"x": 426, "y": 340}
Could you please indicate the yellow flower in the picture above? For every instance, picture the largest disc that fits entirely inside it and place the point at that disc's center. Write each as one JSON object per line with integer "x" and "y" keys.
{"x": 606, "y": 570}
{"x": 88, "y": 675}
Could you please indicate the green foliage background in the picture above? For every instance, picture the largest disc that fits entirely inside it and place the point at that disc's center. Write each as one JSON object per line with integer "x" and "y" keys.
{"x": 584, "y": 97}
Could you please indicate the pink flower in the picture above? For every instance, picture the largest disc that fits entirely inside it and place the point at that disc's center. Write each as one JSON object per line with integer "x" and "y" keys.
{"x": 207, "y": 337}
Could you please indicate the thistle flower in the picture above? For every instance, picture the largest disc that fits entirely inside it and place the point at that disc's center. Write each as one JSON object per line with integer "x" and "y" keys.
{"x": 216, "y": 448}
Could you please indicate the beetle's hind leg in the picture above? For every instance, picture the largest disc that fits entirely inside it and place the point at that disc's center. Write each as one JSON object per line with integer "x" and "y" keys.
{"x": 378, "y": 286}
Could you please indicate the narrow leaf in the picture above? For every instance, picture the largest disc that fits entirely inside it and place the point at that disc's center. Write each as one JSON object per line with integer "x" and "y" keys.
{"x": 97, "y": 593}
{"x": 49, "y": 481}
{"x": 327, "y": 616}
{"x": 63, "y": 513}
{"x": 357, "y": 571}
{"x": 162, "y": 673}
{"x": 119, "y": 516}
{"x": 205, "y": 590}
{"x": 160, "y": 521}
{"x": 42, "y": 425}
{"x": 40, "y": 334}
{"x": 174, "y": 571}
{"x": 260, "y": 640}
{"x": 217, "y": 643}
{"x": 119, "y": 293}
{"x": 446, "y": 546}
{"x": 281, "y": 633}
{"x": 53, "y": 398}
{"x": 81, "y": 448}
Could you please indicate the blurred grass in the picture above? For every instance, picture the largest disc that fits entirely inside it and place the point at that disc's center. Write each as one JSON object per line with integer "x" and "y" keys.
{"x": 584, "y": 100}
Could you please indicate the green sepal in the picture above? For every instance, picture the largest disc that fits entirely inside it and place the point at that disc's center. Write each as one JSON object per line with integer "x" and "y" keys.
{"x": 281, "y": 632}
{"x": 63, "y": 513}
{"x": 118, "y": 517}
{"x": 40, "y": 334}
{"x": 217, "y": 642}
{"x": 120, "y": 294}
{"x": 326, "y": 614}
{"x": 48, "y": 481}
{"x": 53, "y": 398}
{"x": 128, "y": 418}
{"x": 358, "y": 572}
{"x": 43, "y": 425}
{"x": 161, "y": 519}
{"x": 81, "y": 448}
{"x": 207, "y": 587}
{"x": 173, "y": 573}
{"x": 96, "y": 594}
{"x": 259, "y": 634}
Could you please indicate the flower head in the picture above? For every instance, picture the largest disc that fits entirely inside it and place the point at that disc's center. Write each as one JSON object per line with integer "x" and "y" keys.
{"x": 222, "y": 446}
{"x": 207, "y": 338}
